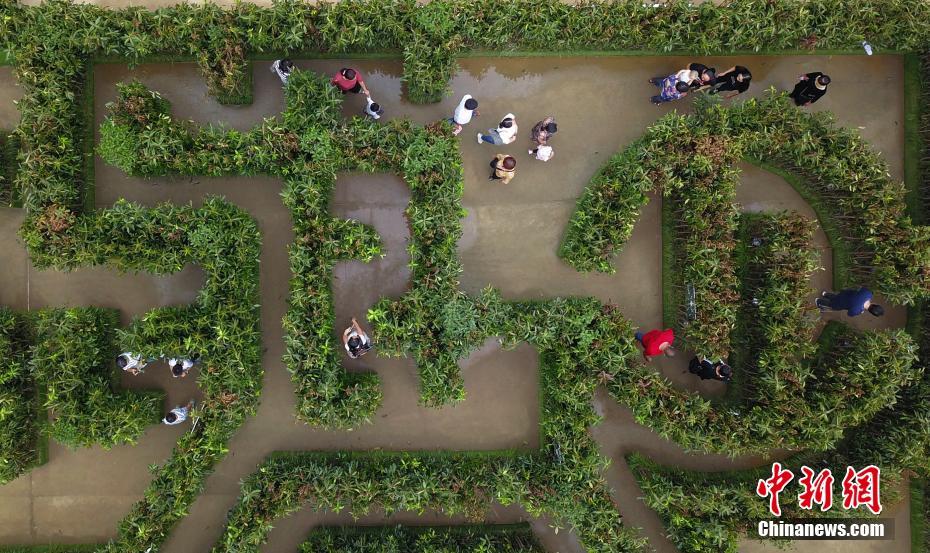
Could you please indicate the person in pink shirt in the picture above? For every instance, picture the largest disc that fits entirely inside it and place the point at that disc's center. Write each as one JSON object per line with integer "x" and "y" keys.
{"x": 348, "y": 80}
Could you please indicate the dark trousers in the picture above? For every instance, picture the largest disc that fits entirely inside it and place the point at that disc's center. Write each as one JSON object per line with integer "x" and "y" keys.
{"x": 826, "y": 301}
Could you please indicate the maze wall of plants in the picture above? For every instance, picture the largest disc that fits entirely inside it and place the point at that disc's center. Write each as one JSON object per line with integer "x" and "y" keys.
{"x": 582, "y": 343}
{"x": 423, "y": 539}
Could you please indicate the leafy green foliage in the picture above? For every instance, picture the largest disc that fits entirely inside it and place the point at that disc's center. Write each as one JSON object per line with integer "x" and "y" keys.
{"x": 564, "y": 479}
{"x": 777, "y": 321}
{"x": 850, "y": 180}
{"x": 422, "y": 539}
{"x": 19, "y": 432}
{"x": 708, "y": 512}
{"x": 73, "y": 362}
{"x": 9, "y": 148}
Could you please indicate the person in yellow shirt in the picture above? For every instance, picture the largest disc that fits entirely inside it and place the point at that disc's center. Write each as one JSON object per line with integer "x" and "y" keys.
{"x": 505, "y": 166}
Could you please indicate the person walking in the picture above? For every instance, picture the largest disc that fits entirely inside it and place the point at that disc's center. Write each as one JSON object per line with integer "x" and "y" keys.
{"x": 179, "y": 414}
{"x": 355, "y": 340}
{"x": 670, "y": 88}
{"x": 131, "y": 363}
{"x": 852, "y": 300}
{"x": 542, "y": 153}
{"x": 735, "y": 79}
{"x": 706, "y": 76}
{"x": 349, "y": 80}
{"x": 656, "y": 342}
{"x": 466, "y": 109}
{"x": 505, "y": 133}
{"x": 180, "y": 367}
{"x": 282, "y": 68}
{"x": 373, "y": 109}
{"x": 543, "y": 130}
{"x": 504, "y": 168}
{"x": 810, "y": 88}
{"x": 707, "y": 370}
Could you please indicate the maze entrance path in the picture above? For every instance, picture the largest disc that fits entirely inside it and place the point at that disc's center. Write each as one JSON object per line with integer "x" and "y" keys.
{"x": 510, "y": 241}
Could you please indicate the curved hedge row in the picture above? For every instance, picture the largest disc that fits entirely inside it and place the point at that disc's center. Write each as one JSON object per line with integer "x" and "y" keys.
{"x": 423, "y": 539}
{"x": 835, "y": 164}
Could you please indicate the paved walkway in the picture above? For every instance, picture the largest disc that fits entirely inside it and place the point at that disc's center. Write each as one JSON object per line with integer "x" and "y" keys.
{"x": 510, "y": 241}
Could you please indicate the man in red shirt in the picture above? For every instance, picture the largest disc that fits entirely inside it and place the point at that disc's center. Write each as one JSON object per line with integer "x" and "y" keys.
{"x": 348, "y": 80}
{"x": 656, "y": 342}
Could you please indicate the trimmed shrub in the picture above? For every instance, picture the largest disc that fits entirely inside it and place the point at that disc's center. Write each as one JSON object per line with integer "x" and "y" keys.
{"x": 73, "y": 361}
{"x": 422, "y": 539}
{"x": 19, "y": 432}
{"x": 849, "y": 180}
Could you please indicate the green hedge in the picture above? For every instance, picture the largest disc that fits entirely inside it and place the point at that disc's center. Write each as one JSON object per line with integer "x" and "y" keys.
{"x": 708, "y": 512}
{"x": 73, "y": 361}
{"x": 851, "y": 181}
{"x": 776, "y": 318}
{"x": 517, "y": 538}
{"x": 564, "y": 479}
{"x": 9, "y": 148}
{"x": 19, "y": 431}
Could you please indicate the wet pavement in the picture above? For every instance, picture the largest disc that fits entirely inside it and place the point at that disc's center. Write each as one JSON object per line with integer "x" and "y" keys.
{"x": 511, "y": 236}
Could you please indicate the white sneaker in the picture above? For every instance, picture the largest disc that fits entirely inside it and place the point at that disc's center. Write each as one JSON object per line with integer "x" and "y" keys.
{"x": 529, "y": 152}
{"x": 479, "y": 138}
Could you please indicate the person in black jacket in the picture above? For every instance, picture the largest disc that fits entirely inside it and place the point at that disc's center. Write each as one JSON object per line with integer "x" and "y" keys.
{"x": 810, "y": 88}
{"x": 707, "y": 76}
{"x": 735, "y": 79}
{"x": 710, "y": 371}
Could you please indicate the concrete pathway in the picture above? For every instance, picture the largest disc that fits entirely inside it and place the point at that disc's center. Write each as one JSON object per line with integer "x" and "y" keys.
{"x": 510, "y": 241}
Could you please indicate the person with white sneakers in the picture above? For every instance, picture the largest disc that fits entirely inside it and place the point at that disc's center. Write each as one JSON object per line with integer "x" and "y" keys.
{"x": 505, "y": 133}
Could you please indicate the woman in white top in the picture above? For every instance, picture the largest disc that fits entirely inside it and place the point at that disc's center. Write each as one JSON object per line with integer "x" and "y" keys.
{"x": 131, "y": 363}
{"x": 542, "y": 153}
{"x": 505, "y": 133}
{"x": 282, "y": 68}
{"x": 356, "y": 342}
{"x": 180, "y": 367}
{"x": 178, "y": 414}
{"x": 464, "y": 112}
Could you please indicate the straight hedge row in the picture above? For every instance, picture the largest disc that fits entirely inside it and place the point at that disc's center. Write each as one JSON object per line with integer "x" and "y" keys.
{"x": 431, "y": 35}
{"x": 777, "y": 260}
{"x": 423, "y": 539}
{"x": 19, "y": 431}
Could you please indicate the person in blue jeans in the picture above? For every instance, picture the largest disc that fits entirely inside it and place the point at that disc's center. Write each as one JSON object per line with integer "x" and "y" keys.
{"x": 670, "y": 88}
{"x": 853, "y": 301}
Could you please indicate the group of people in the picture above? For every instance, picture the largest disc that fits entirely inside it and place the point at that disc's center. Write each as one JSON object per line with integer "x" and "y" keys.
{"x": 180, "y": 367}
{"x": 346, "y": 80}
{"x": 854, "y": 301}
{"x": 504, "y": 166}
{"x": 735, "y": 80}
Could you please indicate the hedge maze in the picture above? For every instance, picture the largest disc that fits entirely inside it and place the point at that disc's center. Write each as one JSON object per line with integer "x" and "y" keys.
{"x": 833, "y": 399}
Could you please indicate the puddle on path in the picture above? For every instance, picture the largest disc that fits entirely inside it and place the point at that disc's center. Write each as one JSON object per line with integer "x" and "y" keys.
{"x": 511, "y": 237}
